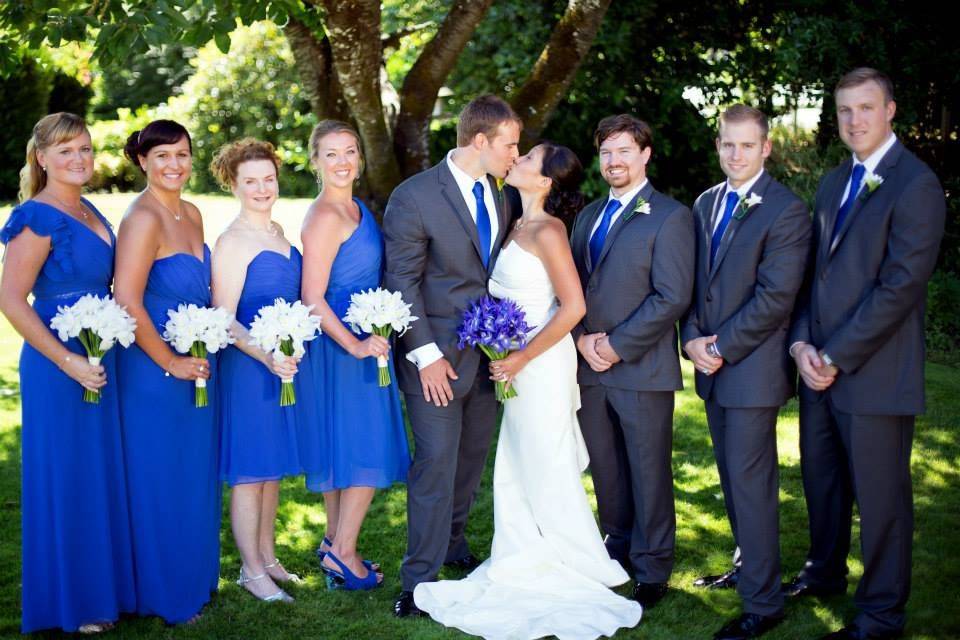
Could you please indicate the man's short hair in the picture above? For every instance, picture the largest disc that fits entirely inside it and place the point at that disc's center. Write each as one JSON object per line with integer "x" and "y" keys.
{"x": 623, "y": 123}
{"x": 860, "y": 75}
{"x": 484, "y": 115}
{"x": 745, "y": 113}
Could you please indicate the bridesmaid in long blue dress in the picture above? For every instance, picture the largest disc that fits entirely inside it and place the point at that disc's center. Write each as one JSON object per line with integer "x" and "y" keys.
{"x": 253, "y": 264}
{"x": 170, "y": 446}
{"x": 77, "y": 561}
{"x": 362, "y": 444}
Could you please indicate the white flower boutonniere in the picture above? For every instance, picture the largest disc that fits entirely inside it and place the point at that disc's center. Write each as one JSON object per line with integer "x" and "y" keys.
{"x": 871, "y": 183}
{"x": 746, "y": 204}
{"x": 642, "y": 206}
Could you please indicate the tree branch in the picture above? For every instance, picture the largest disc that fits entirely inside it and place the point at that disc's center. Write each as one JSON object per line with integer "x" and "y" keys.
{"x": 353, "y": 28}
{"x": 557, "y": 65}
{"x": 423, "y": 82}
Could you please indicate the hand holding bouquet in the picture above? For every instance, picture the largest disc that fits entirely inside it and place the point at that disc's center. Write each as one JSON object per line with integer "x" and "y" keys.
{"x": 497, "y": 327}
{"x": 282, "y": 329}
{"x": 198, "y": 331}
{"x": 381, "y": 313}
{"x": 98, "y": 323}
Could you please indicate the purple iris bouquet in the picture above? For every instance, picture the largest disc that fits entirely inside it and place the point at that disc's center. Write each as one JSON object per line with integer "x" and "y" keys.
{"x": 497, "y": 327}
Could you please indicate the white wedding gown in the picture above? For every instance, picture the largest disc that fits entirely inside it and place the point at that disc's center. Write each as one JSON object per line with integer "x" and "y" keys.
{"x": 548, "y": 571}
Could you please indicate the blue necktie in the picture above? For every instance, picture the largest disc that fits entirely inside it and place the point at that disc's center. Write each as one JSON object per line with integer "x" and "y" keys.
{"x": 600, "y": 235}
{"x": 483, "y": 223}
{"x": 732, "y": 200}
{"x": 856, "y": 177}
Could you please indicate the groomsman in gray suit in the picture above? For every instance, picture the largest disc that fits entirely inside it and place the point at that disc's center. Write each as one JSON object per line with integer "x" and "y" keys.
{"x": 634, "y": 251}
{"x": 443, "y": 229}
{"x": 858, "y": 342}
{"x": 753, "y": 236}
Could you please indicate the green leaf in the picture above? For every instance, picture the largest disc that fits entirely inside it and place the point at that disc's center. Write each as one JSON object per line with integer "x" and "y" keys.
{"x": 223, "y": 41}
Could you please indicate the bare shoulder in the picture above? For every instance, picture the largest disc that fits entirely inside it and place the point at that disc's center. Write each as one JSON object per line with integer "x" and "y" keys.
{"x": 190, "y": 208}
{"x": 141, "y": 217}
{"x": 550, "y": 235}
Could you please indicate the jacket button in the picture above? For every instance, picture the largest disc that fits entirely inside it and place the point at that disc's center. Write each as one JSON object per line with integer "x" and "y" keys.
{"x": 709, "y": 298}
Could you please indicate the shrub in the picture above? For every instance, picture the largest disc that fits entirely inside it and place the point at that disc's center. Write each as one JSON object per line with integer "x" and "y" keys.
{"x": 27, "y": 91}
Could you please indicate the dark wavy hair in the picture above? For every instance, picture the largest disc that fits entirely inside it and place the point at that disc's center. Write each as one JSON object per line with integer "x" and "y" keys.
{"x": 562, "y": 166}
{"x": 153, "y": 135}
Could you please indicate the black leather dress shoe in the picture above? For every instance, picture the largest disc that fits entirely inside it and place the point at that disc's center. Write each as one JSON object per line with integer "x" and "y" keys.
{"x": 853, "y": 632}
{"x": 748, "y": 625}
{"x": 405, "y": 607}
{"x": 466, "y": 563}
{"x": 726, "y": 580}
{"x": 649, "y": 593}
{"x": 800, "y": 587}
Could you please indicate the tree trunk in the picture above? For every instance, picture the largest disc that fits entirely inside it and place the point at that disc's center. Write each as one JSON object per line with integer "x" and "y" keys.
{"x": 315, "y": 66}
{"x": 353, "y": 28}
{"x": 423, "y": 82}
{"x": 557, "y": 65}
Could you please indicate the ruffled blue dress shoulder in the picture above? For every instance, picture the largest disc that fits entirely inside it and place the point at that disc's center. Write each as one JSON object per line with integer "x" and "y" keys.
{"x": 44, "y": 220}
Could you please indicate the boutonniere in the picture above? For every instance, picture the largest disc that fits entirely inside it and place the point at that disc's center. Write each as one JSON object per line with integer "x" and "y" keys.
{"x": 642, "y": 206}
{"x": 500, "y": 182}
{"x": 872, "y": 182}
{"x": 746, "y": 204}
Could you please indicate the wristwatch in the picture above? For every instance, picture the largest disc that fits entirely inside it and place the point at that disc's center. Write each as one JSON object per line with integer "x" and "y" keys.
{"x": 712, "y": 350}
{"x": 826, "y": 359}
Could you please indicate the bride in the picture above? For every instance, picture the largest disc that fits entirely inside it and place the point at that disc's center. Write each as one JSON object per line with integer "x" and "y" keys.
{"x": 548, "y": 572}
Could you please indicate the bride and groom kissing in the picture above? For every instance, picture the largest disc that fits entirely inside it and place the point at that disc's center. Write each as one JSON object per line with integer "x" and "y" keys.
{"x": 452, "y": 234}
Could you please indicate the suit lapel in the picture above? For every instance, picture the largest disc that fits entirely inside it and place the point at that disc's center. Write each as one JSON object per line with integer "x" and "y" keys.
{"x": 583, "y": 238}
{"x": 708, "y": 218}
{"x": 503, "y": 217}
{"x": 887, "y": 163}
{"x": 647, "y": 194}
{"x": 759, "y": 188}
{"x": 454, "y": 197}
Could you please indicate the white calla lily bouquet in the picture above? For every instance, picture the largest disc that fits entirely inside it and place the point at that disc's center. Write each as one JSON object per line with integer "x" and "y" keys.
{"x": 380, "y": 312}
{"x": 98, "y": 323}
{"x": 198, "y": 331}
{"x": 283, "y": 329}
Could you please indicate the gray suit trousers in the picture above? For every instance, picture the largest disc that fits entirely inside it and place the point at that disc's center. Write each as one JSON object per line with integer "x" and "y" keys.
{"x": 745, "y": 447}
{"x": 440, "y": 490}
{"x": 629, "y": 435}
{"x": 844, "y": 457}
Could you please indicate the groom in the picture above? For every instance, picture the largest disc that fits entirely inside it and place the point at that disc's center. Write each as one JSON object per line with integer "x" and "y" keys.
{"x": 443, "y": 230}
{"x": 634, "y": 250}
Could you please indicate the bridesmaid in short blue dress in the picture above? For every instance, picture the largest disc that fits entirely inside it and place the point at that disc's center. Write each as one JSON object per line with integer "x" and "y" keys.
{"x": 259, "y": 437}
{"x": 170, "y": 445}
{"x": 77, "y": 561}
{"x": 361, "y": 444}
{"x": 364, "y": 442}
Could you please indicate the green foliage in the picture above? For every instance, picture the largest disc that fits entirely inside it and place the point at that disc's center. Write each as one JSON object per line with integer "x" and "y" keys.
{"x": 112, "y": 170}
{"x": 147, "y": 79}
{"x": 28, "y": 90}
{"x": 943, "y": 321}
{"x": 69, "y": 94}
{"x": 799, "y": 163}
{"x": 253, "y": 90}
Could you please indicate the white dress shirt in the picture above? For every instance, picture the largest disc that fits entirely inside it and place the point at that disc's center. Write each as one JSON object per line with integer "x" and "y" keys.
{"x": 624, "y": 200}
{"x": 429, "y": 353}
{"x": 870, "y": 164}
{"x": 742, "y": 193}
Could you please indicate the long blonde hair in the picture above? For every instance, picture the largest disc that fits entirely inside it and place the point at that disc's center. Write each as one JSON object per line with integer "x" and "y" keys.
{"x": 50, "y": 130}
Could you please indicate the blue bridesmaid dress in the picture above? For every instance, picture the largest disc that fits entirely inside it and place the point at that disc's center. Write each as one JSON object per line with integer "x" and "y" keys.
{"x": 77, "y": 558}
{"x": 361, "y": 440}
{"x": 171, "y": 447}
{"x": 259, "y": 437}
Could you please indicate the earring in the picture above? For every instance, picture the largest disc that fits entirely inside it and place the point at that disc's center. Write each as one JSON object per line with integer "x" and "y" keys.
{"x": 319, "y": 179}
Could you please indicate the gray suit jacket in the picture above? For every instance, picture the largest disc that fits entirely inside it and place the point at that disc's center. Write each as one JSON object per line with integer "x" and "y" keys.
{"x": 865, "y": 291}
{"x": 746, "y": 298}
{"x": 433, "y": 259}
{"x": 637, "y": 291}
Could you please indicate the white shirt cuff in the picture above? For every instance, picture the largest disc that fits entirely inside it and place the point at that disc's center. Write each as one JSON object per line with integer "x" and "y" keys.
{"x": 790, "y": 350}
{"x": 425, "y": 355}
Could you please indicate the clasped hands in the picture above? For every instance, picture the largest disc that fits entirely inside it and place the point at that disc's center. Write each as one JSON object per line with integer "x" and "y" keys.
{"x": 696, "y": 350}
{"x": 596, "y": 350}
{"x": 816, "y": 374}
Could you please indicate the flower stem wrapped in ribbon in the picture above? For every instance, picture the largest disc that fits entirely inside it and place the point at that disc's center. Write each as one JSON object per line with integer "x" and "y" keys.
{"x": 282, "y": 329}
{"x": 497, "y": 327}
{"x": 198, "y": 331}
{"x": 380, "y": 312}
{"x": 98, "y": 323}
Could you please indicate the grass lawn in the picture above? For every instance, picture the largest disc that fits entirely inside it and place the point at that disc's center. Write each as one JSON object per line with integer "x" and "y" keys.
{"x": 703, "y": 538}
